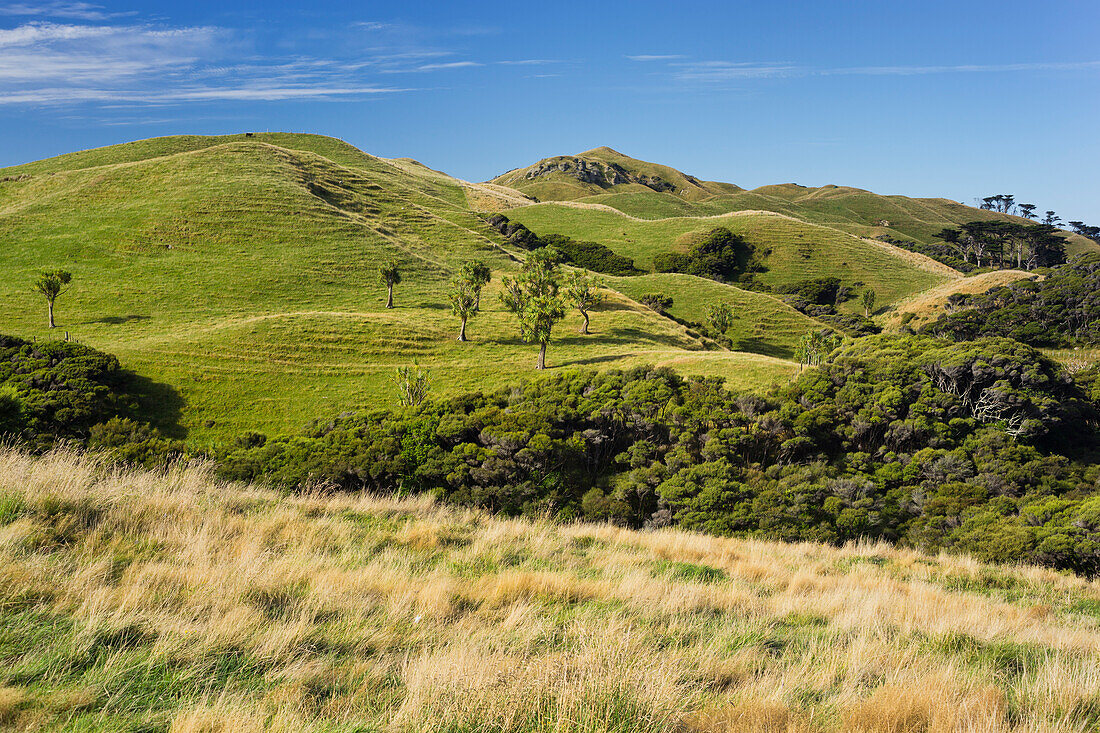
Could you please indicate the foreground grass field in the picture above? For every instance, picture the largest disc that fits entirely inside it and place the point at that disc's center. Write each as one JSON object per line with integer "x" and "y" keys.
{"x": 138, "y": 601}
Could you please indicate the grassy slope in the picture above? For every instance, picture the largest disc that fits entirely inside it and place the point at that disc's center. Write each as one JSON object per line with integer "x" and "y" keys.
{"x": 848, "y": 209}
{"x": 929, "y": 305}
{"x": 798, "y": 250}
{"x": 763, "y": 323}
{"x": 243, "y": 274}
{"x": 132, "y": 601}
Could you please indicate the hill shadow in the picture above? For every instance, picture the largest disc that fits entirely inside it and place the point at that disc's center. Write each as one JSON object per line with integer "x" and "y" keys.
{"x": 589, "y": 360}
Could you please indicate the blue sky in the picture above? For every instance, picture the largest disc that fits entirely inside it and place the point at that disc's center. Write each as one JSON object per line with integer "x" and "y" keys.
{"x": 956, "y": 99}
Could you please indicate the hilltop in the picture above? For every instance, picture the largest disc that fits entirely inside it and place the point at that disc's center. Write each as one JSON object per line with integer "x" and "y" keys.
{"x": 143, "y": 601}
{"x": 603, "y": 170}
{"x": 651, "y": 191}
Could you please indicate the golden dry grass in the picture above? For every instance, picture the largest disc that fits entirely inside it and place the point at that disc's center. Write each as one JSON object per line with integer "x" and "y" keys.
{"x": 930, "y": 304}
{"x": 134, "y": 600}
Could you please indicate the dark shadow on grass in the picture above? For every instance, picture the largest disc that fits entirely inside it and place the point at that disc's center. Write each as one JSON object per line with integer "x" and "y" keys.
{"x": 612, "y": 305}
{"x": 635, "y": 336}
{"x": 158, "y": 404}
{"x": 582, "y": 362}
{"x": 759, "y": 346}
{"x": 118, "y": 320}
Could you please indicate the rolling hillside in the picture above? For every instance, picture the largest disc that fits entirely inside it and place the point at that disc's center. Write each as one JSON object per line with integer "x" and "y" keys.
{"x": 652, "y": 191}
{"x": 930, "y": 304}
{"x": 142, "y": 601}
{"x": 240, "y": 272}
{"x": 796, "y": 250}
{"x": 601, "y": 170}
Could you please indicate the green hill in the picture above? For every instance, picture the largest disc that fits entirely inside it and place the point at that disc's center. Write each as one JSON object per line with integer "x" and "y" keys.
{"x": 603, "y": 170}
{"x": 652, "y": 191}
{"x": 796, "y": 250}
{"x": 241, "y": 271}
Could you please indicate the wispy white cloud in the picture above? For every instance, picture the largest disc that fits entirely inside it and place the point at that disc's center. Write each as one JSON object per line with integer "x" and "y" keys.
{"x": 68, "y": 10}
{"x": 529, "y": 62}
{"x": 246, "y": 92}
{"x": 371, "y": 25}
{"x": 714, "y": 71}
{"x": 54, "y": 64}
{"x": 656, "y": 57}
{"x": 448, "y": 65}
{"x": 37, "y": 53}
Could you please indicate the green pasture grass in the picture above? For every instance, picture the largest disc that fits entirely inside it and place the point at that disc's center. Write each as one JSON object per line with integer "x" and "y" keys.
{"x": 796, "y": 250}
{"x": 241, "y": 277}
{"x": 762, "y": 324}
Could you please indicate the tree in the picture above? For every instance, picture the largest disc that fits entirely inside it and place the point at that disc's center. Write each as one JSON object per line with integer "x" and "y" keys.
{"x": 1052, "y": 219}
{"x": 533, "y": 298}
{"x": 813, "y": 347}
{"x": 390, "y": 275}
{"x": 1002, "y": 202}
{"x": 1027, "y": 210}
{"x": 584, "y": 293}
{"x": 478, "y": 275}
{"x": 719, "y": 316}
{"x": 1080, "y": 227}
{"x": 656, "y": 301}
{"x": 868, "y": 302}
{"x": 412, "y": 385}
{"x": 51, "y": 283}
{"x": 463, "y": 299}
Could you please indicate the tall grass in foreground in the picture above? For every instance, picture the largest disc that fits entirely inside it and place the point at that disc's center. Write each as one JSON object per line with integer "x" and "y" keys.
{"x": 138, "y": 601}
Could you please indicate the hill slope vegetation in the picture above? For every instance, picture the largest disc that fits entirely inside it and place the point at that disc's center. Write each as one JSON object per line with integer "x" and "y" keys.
{"x": 242, "y": 272}
{"x": 605, "y": 177}
{"x": 140, "y": 601}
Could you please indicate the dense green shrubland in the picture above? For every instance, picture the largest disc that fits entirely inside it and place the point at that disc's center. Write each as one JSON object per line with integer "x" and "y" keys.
{"x": 818, "y": 298}
{"x": 57, "y": 389}
{"x": 982, "y": 447}
{"x": 65, "y": 391}
{"x": 1062, "y": 309}
{"x": 720, "y": 255}
{"x": 589, "y": 255}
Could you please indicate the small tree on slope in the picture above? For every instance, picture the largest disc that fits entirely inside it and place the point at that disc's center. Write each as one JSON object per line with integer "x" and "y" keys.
{"x": 584, "y": 293}
{"x": 719, "y": 316}
{"x": 51, "y": 284}
{"x": 478, "y": 274}
{"x": 534, "y": 299}
{"x": 390, "y": 275}
{"x": 463, "y": 299}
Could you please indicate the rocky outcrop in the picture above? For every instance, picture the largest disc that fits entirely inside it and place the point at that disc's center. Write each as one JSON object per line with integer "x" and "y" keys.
{"x": 601, "y": 174}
